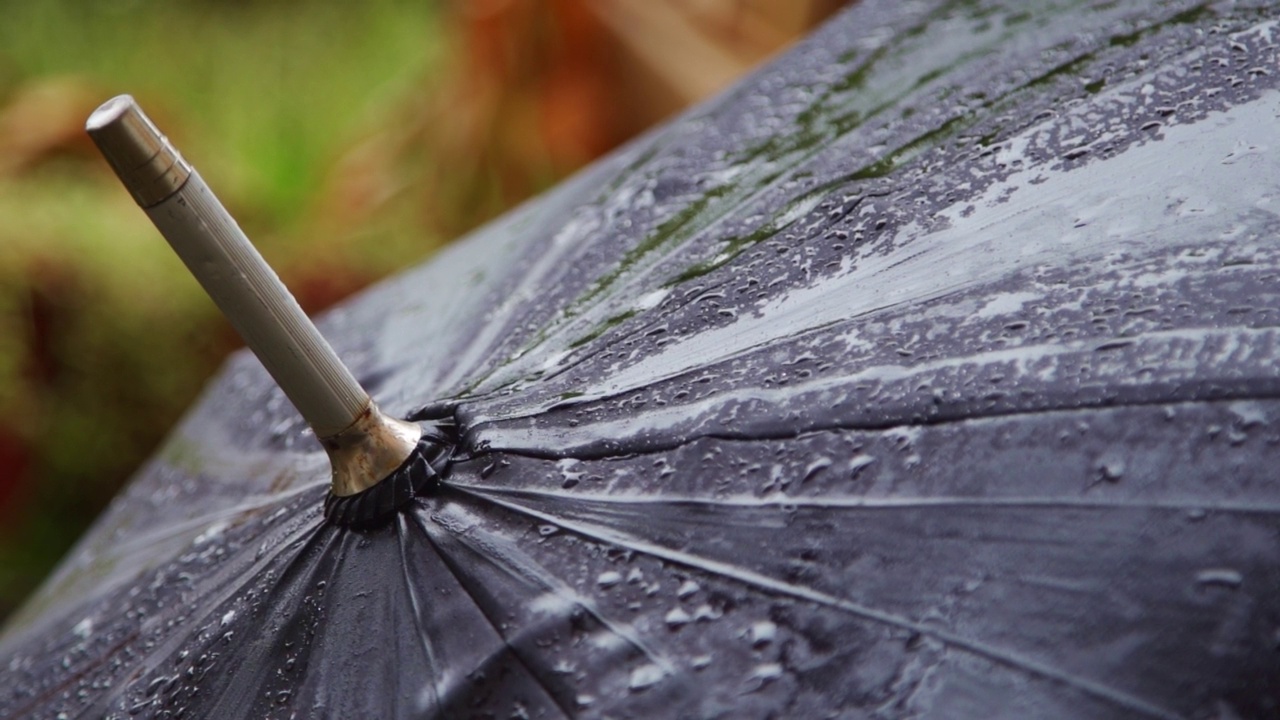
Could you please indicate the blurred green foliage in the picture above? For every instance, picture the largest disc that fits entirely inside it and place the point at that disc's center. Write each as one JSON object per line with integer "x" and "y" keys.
{"x": 104, "y": 338}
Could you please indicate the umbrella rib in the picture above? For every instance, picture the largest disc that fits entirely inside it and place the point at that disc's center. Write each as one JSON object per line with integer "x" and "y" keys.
{"x": 493, "y": 623}
{"x": 800, "y": 592}
{"x": 403, "y": 533}
{"x": 1161, "y": 347}
{"x": 592, "y": 451}
{"x": 547, "y": 581}
{"x": 591, "y": 609}
{"x": 887, "y": 503}
{"x": 256, "y": 502}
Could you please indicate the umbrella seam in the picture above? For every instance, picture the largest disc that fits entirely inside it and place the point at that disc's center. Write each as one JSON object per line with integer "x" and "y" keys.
{"x": 768, "y": 584}
{"x": 515, "y": 651}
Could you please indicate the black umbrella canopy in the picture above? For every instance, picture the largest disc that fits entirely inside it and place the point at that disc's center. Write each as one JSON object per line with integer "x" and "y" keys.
{"x": 930, "y": 372}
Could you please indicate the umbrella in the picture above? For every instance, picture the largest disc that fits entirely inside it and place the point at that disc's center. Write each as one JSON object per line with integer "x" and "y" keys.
{"x": 928, "y": 372}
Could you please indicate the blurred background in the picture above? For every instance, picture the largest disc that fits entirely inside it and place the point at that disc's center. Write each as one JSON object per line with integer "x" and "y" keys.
{"x": 349, "y": 140}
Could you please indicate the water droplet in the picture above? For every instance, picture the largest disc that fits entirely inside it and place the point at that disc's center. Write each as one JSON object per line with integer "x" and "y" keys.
{"x": 228, "y": 617}
{"x": 1220, "y": 577}
{"x": 210, "y": 533}
{"x": 687, "y": 589}
{"x": 858, "y": 463}
{"x": 643, "y": 677}
{"x": 546, "y": 530}
{"x": 571, "y": 478}
{"x": 814, "y": 468}
{"x": 767, "y": 672}
{"x": 1112, "y": 467}
{"x": 706, "y": 612}
{"x": 700, "y": 662}
{"x": 634, "y": 576}
{"x": 1248, "y": 414}
{"x": 609, "y": 579}
{"x": 154, "y": 686}
{"x": 677, "y": 617}
{"x": 762, "y": 633}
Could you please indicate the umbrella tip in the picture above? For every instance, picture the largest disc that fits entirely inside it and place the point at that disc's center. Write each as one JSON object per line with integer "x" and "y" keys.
{"x": 147, "y": 164}
{"x": 109, "y": 112}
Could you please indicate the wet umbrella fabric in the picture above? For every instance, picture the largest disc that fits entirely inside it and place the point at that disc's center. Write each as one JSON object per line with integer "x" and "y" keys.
{"x": 929, "y": 372}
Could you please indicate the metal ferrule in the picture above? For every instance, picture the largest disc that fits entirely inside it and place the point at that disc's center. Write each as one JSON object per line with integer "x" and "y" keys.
{"x": 146, "y": 162}
{"x": 372, "y": 448}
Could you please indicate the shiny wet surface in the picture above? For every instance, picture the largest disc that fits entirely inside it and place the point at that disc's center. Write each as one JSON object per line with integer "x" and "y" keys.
{"x": 930, "y": 372}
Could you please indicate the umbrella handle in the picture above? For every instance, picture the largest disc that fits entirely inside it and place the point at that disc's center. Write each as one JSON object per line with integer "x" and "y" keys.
{"x": 364, "y": 445}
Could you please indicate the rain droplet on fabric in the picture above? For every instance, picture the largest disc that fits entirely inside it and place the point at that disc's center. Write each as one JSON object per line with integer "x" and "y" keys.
{"x": 706, "y": 612}
{"x": 687, "y": 588}
{"x": 569, "y": 477}
{"x": 210, "y": 533}
{"x": 858, "y": 464}
{"x": 677, "y": 617}
{"x": 1220, "y": 577}
{"x": 644, "y": 677}
{"x": 767, "y": 672}
{"x": 1111, "y": 467}
{"x": 609, "y": 579}
{"x": 762, "y": 633}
